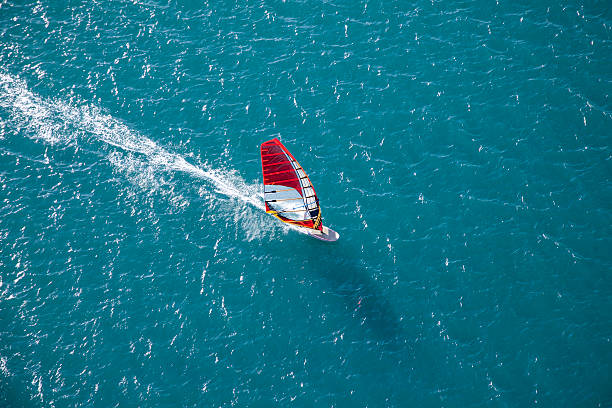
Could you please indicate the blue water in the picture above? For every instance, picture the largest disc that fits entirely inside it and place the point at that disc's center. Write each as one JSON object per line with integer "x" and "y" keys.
{"x": 461, "y": 149}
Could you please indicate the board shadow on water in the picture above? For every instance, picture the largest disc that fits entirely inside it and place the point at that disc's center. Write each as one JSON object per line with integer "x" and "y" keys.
{"x": 363, "y": 296}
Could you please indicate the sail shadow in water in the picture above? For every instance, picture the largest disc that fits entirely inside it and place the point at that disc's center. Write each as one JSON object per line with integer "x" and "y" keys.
{"x": 363, "y": 296}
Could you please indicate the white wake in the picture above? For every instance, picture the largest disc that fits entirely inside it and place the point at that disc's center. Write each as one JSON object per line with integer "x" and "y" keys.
{"x": 58, "y": 122}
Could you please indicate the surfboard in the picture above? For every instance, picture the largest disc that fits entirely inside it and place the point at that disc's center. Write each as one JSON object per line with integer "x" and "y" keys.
{"x": 326, "y": 234}
{"x": 288, "y": 193}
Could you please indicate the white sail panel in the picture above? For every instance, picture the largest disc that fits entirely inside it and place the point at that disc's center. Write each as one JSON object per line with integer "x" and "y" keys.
{"x": 286, "y": 201}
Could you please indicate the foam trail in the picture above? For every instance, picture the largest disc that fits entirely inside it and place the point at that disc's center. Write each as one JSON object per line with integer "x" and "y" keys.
{"x": 56, "y": 121}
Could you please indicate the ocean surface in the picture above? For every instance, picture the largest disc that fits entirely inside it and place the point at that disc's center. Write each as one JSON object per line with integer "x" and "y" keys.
{"x": 462, "y": 149}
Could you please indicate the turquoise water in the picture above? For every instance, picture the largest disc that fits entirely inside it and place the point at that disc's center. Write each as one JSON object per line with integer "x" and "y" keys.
{"x": 461, "y": 149}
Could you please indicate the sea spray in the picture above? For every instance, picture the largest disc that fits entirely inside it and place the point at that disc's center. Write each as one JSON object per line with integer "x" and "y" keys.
{"x": 55, "y": 121}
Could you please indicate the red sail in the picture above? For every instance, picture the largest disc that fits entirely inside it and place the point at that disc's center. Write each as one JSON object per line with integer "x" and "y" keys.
{"x": 288, "y": 192}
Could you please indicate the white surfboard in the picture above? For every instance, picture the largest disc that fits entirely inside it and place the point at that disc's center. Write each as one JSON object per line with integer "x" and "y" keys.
{"x": 327, "y": 234}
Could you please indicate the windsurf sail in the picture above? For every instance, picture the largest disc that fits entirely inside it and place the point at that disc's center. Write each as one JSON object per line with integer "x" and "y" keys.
{"x": 288, "y": 192}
